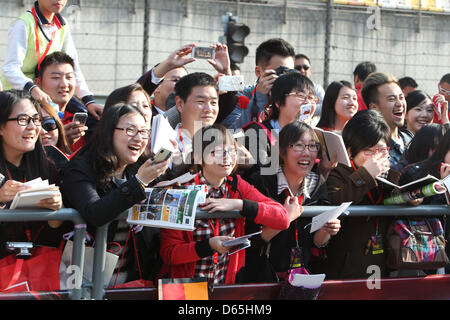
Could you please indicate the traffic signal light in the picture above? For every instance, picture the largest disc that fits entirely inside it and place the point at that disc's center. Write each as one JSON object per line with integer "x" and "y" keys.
{"x": 235, "y": 34}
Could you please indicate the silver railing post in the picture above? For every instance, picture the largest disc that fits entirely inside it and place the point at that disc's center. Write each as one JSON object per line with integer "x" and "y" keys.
{"x": 98, "y": 291}
{"x": 309, "y": 211}
{"x": 64, "y": 214}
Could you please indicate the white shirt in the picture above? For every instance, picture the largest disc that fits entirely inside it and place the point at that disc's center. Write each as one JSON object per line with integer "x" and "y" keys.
{"x": 17, "y": 49}
{"x": 184, "y": 142}
{"x": 320, "y": 93}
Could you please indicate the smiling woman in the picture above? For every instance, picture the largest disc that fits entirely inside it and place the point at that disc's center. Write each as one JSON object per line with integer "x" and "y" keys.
{"x": 366, "y": 137}
{"x": 108, "y": 175}
{"x": 201, "y": 253}
{"x": 294, "y": 185}
{"x": 22, "y": 158}
{"x": 340, "y": 104}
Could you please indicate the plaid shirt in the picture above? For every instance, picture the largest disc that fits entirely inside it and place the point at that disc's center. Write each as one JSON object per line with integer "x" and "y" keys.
{"x": 204, "y": 230}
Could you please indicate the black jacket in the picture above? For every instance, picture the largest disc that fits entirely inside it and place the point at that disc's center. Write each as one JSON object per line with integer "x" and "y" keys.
{"x": 97, "y": 206}
{"x": 39, "y": 232}
{"x": 259, "y": 141}
{"x": 281, "y": 244}
{"x": 346, "y": 252}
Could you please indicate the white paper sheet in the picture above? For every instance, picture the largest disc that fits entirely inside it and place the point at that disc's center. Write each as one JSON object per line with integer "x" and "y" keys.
{"x": 319, "y": 220}
{"x": 310, "y": 281}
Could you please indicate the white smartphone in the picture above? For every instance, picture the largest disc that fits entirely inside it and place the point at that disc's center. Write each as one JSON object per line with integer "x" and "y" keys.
{"x": 162, "y": 155}
{"x": 231, "y": 83}
{"x": 81, "y": 117}
{"x": 305, "y": 112}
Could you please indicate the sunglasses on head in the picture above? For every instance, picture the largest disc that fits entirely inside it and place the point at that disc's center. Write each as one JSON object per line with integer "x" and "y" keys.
{"x": 49, "y": 124}
{"x": 300, "y": 67}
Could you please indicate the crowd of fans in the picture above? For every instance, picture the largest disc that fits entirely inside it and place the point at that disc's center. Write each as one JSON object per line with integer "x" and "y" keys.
{"x": 391, "y": 128}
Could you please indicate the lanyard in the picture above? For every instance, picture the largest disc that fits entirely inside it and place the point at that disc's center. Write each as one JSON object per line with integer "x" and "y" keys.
{"x": 180, "y": 137}
{"x": 216, "y": 227}
{"x": 10, "y": 177}
{"x": 369, "y": 194}
{"x": 39, "y": 57}
{"x": 300, "y": 201}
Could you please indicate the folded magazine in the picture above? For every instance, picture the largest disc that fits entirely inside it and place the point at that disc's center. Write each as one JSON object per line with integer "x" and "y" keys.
{"x": 168, "y": 208}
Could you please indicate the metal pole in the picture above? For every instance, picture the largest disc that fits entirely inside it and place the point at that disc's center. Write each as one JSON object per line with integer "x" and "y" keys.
{"x": 354, "y": 211}
{"x": 146, "y": 36}
{"x": 62, "y": 214}
{"x": 98, "y": 291}
{"x": 328, "y": 25}
{"x": 309, "y": 212}
{"x": 78, "y": 256}
{"x": 419, "y": 18}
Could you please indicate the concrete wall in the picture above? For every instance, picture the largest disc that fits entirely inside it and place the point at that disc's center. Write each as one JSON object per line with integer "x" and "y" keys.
{"x": 109, "y": 37}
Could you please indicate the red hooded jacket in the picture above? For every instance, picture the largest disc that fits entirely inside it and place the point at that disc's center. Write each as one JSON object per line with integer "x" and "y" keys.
{"x": 178, "y": 249}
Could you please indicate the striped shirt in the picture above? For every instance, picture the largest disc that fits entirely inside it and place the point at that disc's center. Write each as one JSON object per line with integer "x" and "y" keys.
{"x": 310, "y": 183}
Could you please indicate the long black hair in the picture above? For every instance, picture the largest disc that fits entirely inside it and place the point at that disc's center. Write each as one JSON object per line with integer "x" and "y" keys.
{"x": 431, "y": 165}
{"x": 328, "y": 117}
{"x": 35, "y": 161}
{"x": 101, "y": 149}
{"x": 425, "y": 140}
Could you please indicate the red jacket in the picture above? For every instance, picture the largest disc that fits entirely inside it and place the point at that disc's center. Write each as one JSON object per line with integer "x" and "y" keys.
{"x": 178, "y": 249}
{"x": 68, "y": 116}
{"x": 361, "y": 104}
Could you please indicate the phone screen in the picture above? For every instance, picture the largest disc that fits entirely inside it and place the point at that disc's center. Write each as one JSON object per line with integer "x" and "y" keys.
{"x": 81, "y": 117}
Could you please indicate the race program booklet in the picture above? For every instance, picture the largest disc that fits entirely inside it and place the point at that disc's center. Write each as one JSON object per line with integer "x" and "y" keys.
{"x": 167, "y": 208}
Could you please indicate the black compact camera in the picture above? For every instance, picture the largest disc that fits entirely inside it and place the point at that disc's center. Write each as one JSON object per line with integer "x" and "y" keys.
{"x": 282, "y": 70}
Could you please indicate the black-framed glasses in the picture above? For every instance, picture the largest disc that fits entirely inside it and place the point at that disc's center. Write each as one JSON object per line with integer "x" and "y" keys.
{"x": 300, "y": 67}
{"x": 24, "y": 119}
{"x": 49, "y": 124}
{"x": 132, "y": 131}
{"x": 300, "y": 147}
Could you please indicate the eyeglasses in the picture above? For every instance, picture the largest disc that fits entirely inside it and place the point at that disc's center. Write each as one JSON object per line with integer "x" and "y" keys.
{"x": 300, "y": 67}
{"x": 132, "y": 131}
{"x": 300, "y": 147}
{"x": 49, "y": 124}
{"x": 444, "y": 91}
{"x": 223, "y": 152}
{"x": 24, "y": 119}
{"x": 302, "y": 98}
{"x": 372, "y": 152}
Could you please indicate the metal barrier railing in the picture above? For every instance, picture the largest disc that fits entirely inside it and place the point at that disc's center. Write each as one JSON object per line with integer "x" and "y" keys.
{"x": 98, "y": 291}
{"x": 65, "y": 214}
